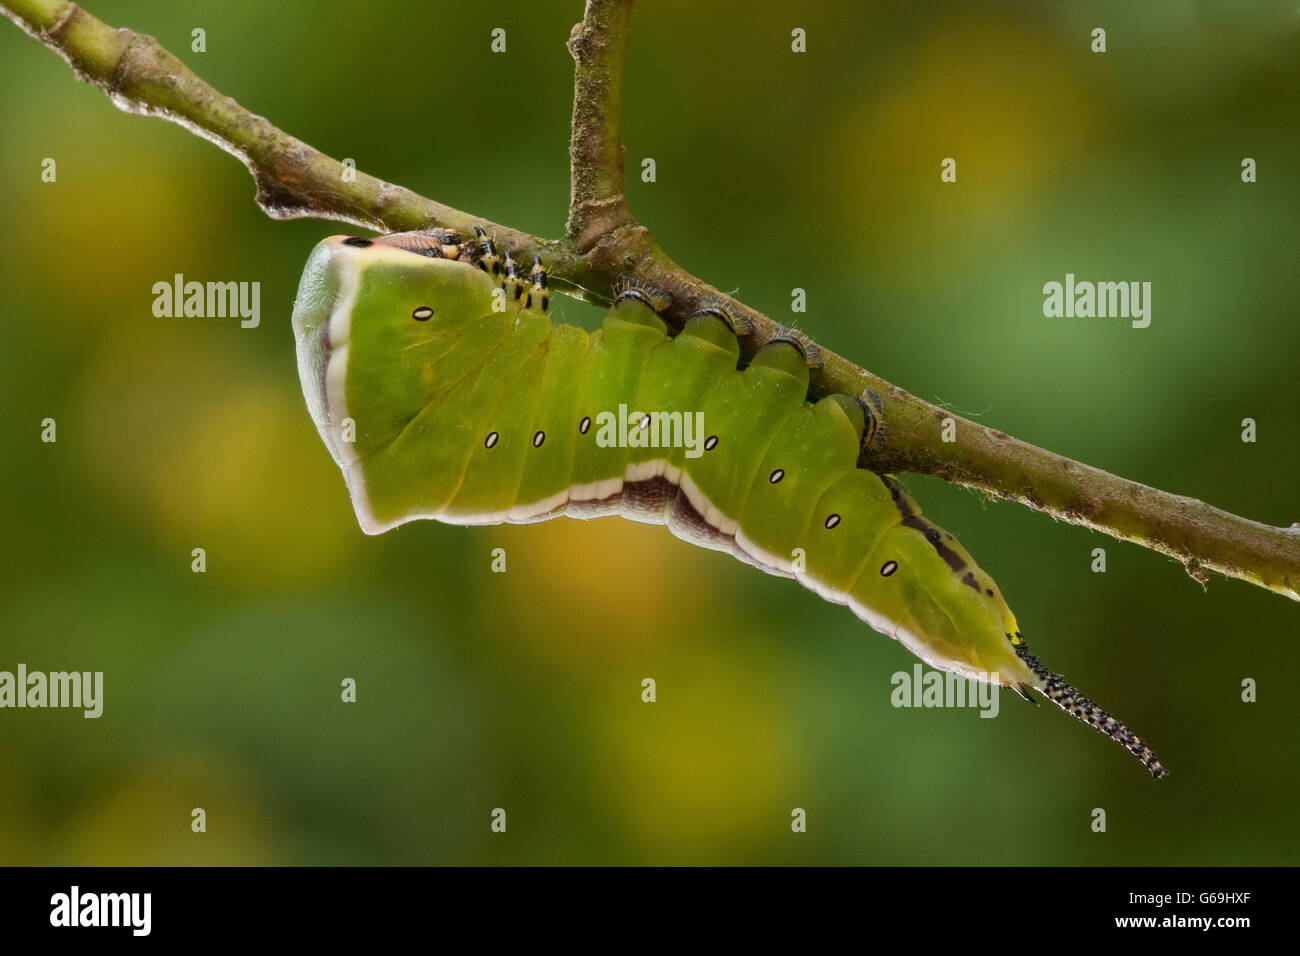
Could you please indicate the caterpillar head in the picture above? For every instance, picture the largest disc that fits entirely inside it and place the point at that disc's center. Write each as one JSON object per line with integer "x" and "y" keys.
{"x": 373, "y": 318}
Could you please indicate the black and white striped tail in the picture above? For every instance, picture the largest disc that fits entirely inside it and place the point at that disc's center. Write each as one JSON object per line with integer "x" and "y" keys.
{"x": 1072, "y": 702}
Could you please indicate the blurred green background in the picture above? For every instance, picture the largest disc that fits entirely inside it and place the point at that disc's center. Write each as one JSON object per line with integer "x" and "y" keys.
{"x": 522, "y": 690}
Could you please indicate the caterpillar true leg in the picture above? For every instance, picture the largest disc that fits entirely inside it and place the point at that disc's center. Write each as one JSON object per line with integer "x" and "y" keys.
{"x": 486, "y": 256}
{"x": 538, "y": 296}
{"x": 451, "y": 242}
{"x": 512, "y": 281}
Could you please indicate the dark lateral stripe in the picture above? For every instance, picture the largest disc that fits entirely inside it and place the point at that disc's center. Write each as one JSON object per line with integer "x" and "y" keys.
{"x": 689, "y": 525}
{"x": 970, "y": 582}
{"x": 912, "y": 520}
{"x": 950, "y": 557}
{"x": 659, "y": 501}
{"x": 647, "y": 500}
{"x": 896, "y": 492}
{"x": 593, "y": 507}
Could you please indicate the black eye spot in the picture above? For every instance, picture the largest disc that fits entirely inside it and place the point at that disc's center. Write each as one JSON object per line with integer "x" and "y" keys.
{"x": 422, "y": 314}
{"x": 888, "y": 568}
{"x": 358, "y": 242}
{"x": 989, "y": 592}
{"x": 490, "y": 440}
{"x": 711, "y": 443}
{"x": 538, "y": 439}
{"x": 776, "y": 475}
{"x": 585, "y": 425}
{"x": 832, "y": 521}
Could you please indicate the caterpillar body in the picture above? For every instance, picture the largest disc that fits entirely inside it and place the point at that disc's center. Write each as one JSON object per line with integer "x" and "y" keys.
{"x": 443, "y": 390}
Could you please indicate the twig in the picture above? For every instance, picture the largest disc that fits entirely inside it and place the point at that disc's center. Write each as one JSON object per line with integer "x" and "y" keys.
{"x": 605, "y": 246}
{"x": 597, "y": 206}
{"x": 293, "y": 179}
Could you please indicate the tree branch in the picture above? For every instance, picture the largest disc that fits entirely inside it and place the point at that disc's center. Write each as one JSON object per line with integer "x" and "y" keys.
{"x": 605, "y": 246}
{"x": 293, "y": 179}
{"x": 597, "y": 206}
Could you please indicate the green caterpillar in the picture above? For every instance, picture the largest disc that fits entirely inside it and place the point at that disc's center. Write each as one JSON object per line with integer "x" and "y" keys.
{"x": 444, "y": 391}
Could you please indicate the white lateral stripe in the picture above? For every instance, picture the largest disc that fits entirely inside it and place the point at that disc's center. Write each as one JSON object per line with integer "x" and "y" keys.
{"x": 524, "y": 512}
{"x": 595, "y": 491}
{"x": 339, "y": 329}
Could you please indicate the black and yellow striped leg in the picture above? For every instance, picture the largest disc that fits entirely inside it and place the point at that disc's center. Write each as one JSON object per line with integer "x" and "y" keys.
{"x": 511, "y": 280}
{"x": 451, "y": 242}
{"x": 486, "y": 256}
{"x": 538, "y": 296}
